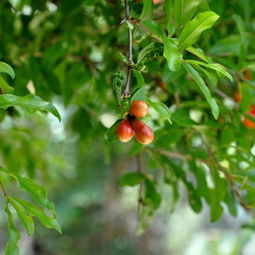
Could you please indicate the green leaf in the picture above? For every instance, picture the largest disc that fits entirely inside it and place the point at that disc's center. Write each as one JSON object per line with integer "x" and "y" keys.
{"x": 131, "y": 179}
{"x": 218, "y": 193}
{"x": 37, "y": 191}
{"x": 241, "y": 27}
{"x": 138, "y": 94}
{"x": 147, "y": 8}
{"x": 147, "y": 49}
{"x": 214, "y": 66}
{"x": 122, "y": 57}
{"x": 117, "y": 83}
{"x": 216, "y": 210}
{"x": 154, "y": 27}
{"x": 243, "y": 40}
{"x": 202, "y": 188}
{"x": 5, "y": 68}
{"x": 151, "y": 193}
{"x": 12, "y": 247}
{"x": 231, "y": 202}
{"x": 172, "y": 54}
{"x": 181, "y": 117}
{"x": 5, "y": 87}
{"x": 201, "y": 84}
{"x": 149, "y": 52}
{"x": 195, "y": 27}
{"x": 228, "y": 45}
{"x": 210, "y": 75}
{"x": 139, "y": 78}
{"x": 111, "y": 133}
{"x": 168, "y": 5}
{"x": 145, "y": 216}
{"x": 184, "y": 10}
{"x": 219, "y": 69}
{"x": 194, "y": 200}
{"x": 36, "y": 211}
{"x": 161, "y": 108}
{"x": 30, "y": 103}
{"x": 199, "y": 53}
{"x": 26, "y": 220}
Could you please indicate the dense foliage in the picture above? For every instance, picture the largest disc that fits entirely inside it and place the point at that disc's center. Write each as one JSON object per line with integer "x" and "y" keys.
{"x": 193, "y": 63}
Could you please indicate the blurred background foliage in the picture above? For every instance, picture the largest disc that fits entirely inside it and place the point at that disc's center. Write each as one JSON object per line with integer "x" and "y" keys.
{"x": 66, "y": 52}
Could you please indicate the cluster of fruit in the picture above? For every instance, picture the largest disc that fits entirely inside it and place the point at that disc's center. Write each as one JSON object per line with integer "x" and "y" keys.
{"x": 238, "y": 98}
{"x": 133, "y": 125}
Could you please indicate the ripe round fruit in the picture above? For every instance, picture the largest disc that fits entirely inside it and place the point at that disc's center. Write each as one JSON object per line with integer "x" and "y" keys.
{"x": 143, "y": 133}
{"x": 125, "y": 131}
{"x": 139, "y": 109}
{"x": 247, "y": 122}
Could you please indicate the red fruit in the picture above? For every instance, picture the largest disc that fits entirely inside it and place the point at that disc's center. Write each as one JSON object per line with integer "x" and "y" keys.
{"x": 247, "y": 74}
{"x": 125, "y": 131}
{"x": 143, "y": 133}
{"x": 139, "y": 109}
{"x": 237, "y": 96}
{"x": 252, "y": 110}
{"x": 247, "y": 122}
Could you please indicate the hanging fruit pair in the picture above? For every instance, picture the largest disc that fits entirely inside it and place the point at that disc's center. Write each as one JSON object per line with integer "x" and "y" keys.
{"x": 133, "y": 126}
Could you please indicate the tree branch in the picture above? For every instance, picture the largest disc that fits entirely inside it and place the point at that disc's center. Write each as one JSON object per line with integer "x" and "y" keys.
{"x": 227, "y": 175}
{"x": 126, "y": 92}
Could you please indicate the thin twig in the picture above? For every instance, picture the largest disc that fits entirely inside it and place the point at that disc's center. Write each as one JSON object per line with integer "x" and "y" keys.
{"x": 2, "y": 187}
{"x": 146, "y": 30}
{"x": 223, "y": 95}
{"x": 177, "y": 99}
{"x": 247, "y": 81}
{"x": 126, "y": 91}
